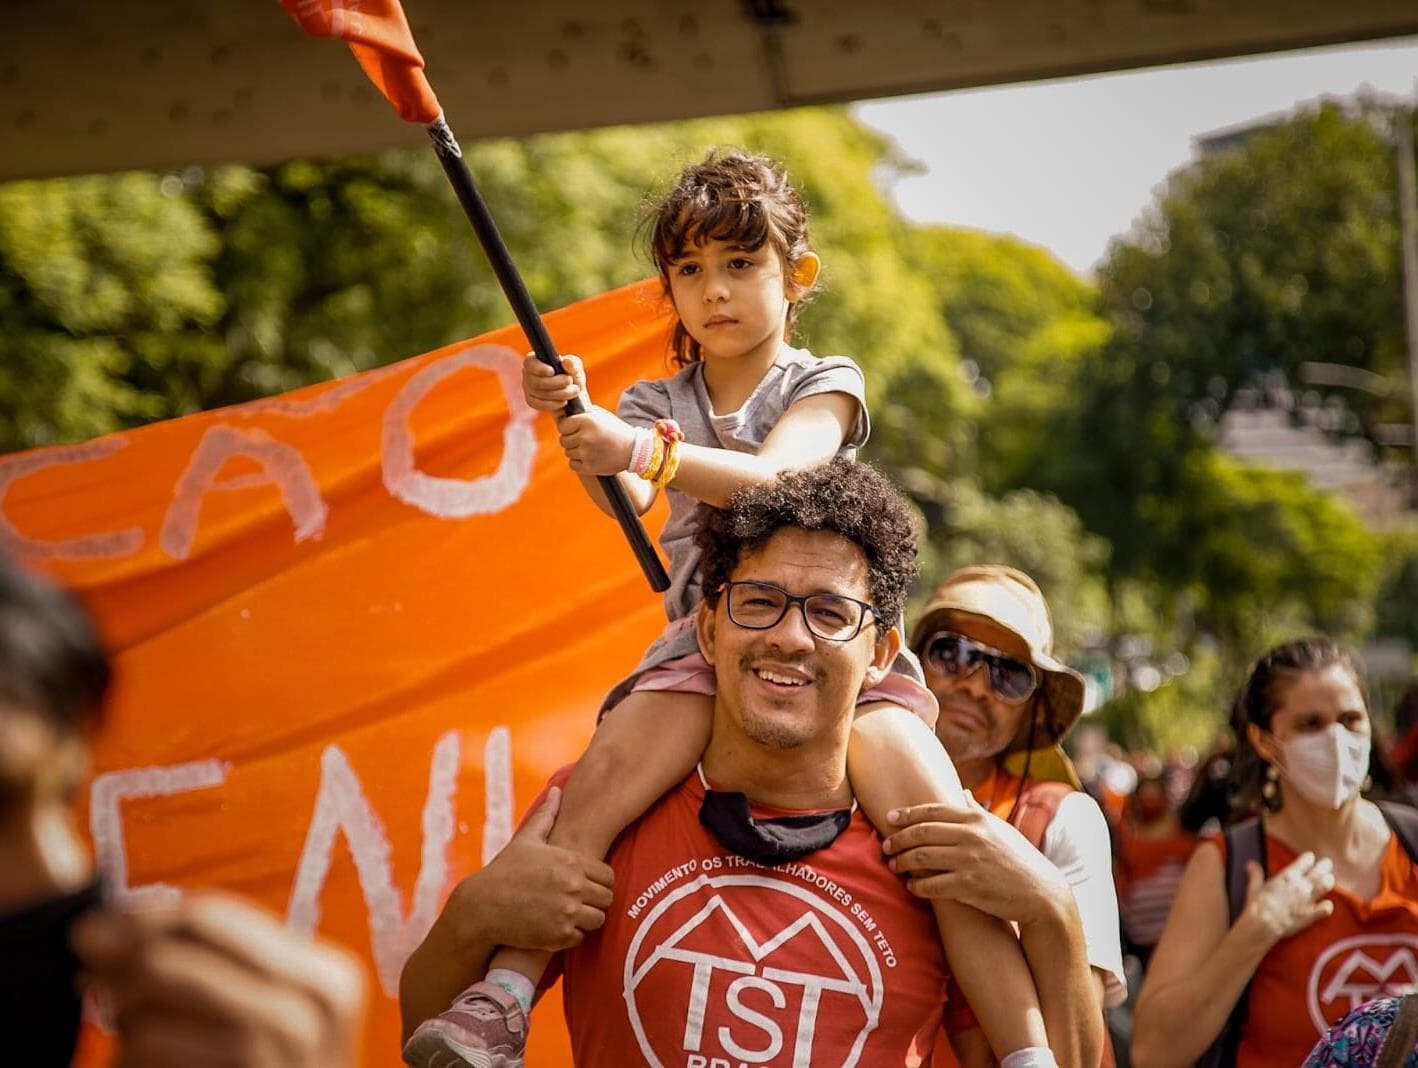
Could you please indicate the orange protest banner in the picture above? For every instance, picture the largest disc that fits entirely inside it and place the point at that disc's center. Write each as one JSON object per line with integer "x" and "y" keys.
{"x": 356, "y": 627}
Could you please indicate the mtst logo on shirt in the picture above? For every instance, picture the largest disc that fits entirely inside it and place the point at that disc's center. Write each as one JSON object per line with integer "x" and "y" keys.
{"x": 736, "y": 970}
{"x": 1358, "y": 969}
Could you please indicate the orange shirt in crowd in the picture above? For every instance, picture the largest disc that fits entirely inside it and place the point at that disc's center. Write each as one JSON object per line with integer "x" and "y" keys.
{"x": 1309, "y": 981}
{"x": 998, "y": 793}
{"x": 1149, "y": 870}
{"x": 707, "y": 960}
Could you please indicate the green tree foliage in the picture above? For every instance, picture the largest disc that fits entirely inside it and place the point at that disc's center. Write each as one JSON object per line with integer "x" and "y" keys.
{"x": 1036, "y": 534}
{"x": 107, "y": 306}
{"x": 1276, "y": 252}
{"x": 1187, "y": 709}
{"x": 251, "y": 281}
{"x": 1396, "y": 604}
{"x": 996, "y": 292}
{"x": 1281, "y": 250}
{"x": 1022, "y": 323}
{"x": 1273, "y": 556}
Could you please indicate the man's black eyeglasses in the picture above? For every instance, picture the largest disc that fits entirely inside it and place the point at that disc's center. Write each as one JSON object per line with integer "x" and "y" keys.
{"x": 955, "y": 655}
{"x": 760, "y": 605}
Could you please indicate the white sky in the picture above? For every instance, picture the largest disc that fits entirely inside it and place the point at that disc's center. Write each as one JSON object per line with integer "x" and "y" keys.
{"x": 1067, "y": 164}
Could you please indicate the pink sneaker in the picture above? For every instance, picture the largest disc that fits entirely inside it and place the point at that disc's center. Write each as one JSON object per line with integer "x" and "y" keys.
{"x": 484, "y": 1028}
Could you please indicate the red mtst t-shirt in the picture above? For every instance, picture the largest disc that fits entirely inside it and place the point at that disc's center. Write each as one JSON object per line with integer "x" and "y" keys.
{"x": 707, "y": 960}
{"x": 1361, "y": 951}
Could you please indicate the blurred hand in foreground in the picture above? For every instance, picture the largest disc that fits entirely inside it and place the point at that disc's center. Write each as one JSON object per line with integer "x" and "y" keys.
{"x": 221, "y": 983}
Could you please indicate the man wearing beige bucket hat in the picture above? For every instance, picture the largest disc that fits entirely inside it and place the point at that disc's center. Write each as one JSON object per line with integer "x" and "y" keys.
{"x": 985, "y": 640}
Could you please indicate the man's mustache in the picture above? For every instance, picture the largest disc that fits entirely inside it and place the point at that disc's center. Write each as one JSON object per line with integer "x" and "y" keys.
{"x": 801, "y": 664}
{"x": 971, "y": 704}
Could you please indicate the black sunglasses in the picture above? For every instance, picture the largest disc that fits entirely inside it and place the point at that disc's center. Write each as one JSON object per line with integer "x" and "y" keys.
{"x": 955, "y": 655}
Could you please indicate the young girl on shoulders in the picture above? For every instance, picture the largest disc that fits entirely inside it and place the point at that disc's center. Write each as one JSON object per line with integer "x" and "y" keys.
{"x": 730, "y": 243}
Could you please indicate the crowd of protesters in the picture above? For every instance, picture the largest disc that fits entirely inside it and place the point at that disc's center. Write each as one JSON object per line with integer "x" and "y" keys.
{"x": 1221, "y": 965}
{"x": 786, "y": 728}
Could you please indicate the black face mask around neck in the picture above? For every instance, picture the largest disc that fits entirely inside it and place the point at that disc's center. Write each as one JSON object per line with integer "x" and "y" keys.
{"x": 39, "y": 997}
{"x": 770, "y": 841}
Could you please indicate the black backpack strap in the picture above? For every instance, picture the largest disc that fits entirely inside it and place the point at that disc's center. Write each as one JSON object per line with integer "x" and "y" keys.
{"x": 1403, "y": 821}
{"x": 1245, "y": 842}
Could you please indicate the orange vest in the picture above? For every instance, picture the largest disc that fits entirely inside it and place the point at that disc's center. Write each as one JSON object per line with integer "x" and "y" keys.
{"x": 1361, "y": 951}
{"x": 1037, "y": 804}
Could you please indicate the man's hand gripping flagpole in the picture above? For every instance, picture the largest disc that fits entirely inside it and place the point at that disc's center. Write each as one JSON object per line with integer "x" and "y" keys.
{"x": 379, "y": 36}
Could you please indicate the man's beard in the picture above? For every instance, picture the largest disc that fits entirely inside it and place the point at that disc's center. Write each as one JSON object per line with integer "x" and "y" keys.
{"x": 772, "y": 733}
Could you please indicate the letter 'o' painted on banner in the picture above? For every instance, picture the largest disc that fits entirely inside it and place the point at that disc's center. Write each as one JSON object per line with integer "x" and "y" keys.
{"x": 456, "y": 498}
{"x": 283, "y": 464}
{"x": 93, "y": 546}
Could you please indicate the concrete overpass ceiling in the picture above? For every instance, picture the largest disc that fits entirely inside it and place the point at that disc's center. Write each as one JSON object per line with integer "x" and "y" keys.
{"x": 93, "y": 85}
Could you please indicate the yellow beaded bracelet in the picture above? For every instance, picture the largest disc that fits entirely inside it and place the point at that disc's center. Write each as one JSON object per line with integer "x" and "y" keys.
{"x": 657, "y": 460}
{"x": 671, "y": 467}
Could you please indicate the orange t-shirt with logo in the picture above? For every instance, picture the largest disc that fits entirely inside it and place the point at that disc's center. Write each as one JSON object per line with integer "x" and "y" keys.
{"x": 707, "y": 960}
{"x": 1309, "y": 981}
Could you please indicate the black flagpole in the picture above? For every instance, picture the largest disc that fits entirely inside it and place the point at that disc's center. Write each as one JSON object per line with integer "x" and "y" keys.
{"x": 451, "y": 157}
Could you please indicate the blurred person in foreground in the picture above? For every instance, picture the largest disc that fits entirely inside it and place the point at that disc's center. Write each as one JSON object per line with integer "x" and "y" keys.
{"x": 1257, "y": 961}
{"x": 985, "y": 640}
{"x": 1152, "y": 851}
{"x": 213, "y": 981}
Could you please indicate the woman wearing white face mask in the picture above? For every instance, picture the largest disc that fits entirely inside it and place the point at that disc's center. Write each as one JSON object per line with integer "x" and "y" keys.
{"x": 1253, "y": 977}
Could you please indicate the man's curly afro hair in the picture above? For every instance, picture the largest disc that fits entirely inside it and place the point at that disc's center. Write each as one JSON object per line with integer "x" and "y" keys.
{"x": 844, "y": 497}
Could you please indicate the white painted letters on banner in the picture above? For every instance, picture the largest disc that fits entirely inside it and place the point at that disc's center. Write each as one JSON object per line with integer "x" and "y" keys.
{"x": 455, "y": 498}
{"x": 341, "y": 807}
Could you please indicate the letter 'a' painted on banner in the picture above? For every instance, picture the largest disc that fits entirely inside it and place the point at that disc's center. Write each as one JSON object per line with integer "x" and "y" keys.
{"x": 378, "y": 34}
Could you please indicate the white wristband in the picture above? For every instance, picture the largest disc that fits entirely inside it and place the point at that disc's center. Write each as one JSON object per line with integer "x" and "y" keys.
{"x": 641, "y": 451}
{"x": 1030, "y": 1057}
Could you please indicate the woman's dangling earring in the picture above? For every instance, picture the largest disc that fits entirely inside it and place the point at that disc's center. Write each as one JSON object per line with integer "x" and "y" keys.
{"x": 1270, "y": 789}
{"x": 1367, "y": 784}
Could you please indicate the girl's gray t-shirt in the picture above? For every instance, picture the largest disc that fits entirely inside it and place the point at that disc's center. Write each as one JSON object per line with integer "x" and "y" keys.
{"x": 795, "y": 374}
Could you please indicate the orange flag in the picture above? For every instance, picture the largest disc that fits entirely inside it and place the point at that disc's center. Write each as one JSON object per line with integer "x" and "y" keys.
{"x": 379, "y": 36}
{"x": 356, "y": 627}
